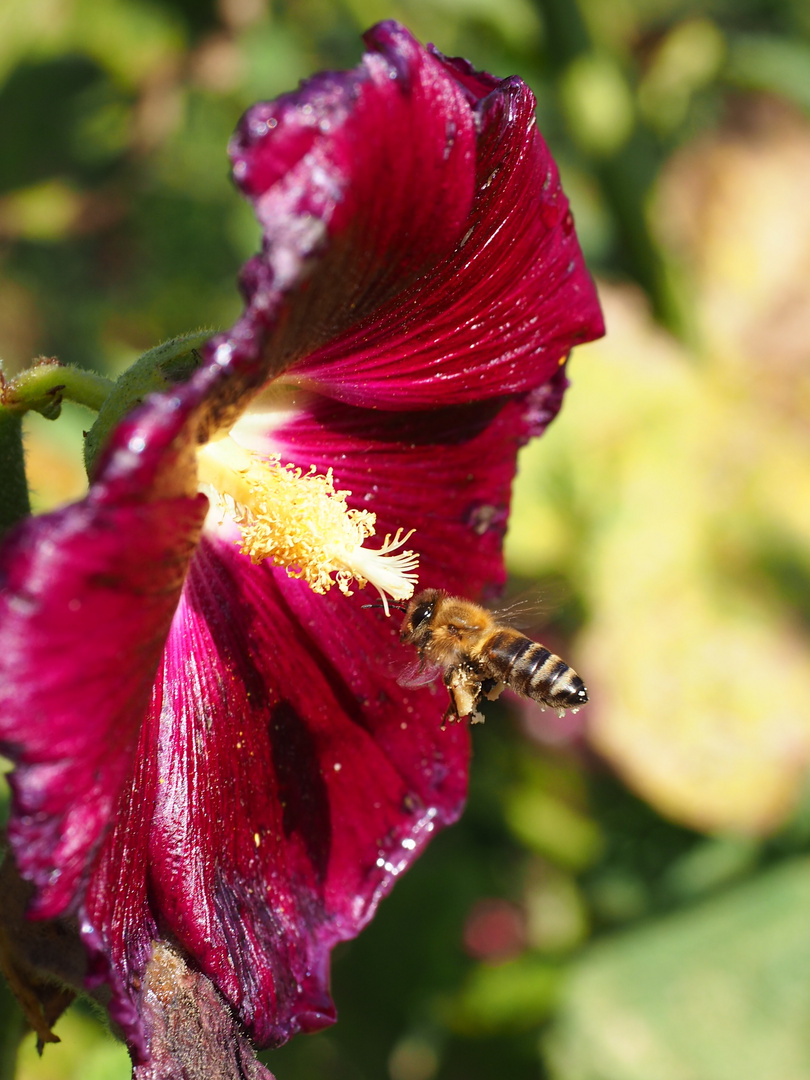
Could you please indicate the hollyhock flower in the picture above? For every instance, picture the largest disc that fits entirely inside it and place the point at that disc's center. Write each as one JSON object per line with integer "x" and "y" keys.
{"x": 210, "y": 748}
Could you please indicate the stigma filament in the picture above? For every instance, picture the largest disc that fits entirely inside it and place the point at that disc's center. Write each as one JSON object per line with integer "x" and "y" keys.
{"x": 299, "y": 521}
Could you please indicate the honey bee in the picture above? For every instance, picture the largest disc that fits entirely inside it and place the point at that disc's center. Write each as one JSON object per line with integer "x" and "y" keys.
{"x": 480, "y": 656}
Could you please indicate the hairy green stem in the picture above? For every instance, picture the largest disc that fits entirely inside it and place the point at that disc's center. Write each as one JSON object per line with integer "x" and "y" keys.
{"x": 46, "y": 385}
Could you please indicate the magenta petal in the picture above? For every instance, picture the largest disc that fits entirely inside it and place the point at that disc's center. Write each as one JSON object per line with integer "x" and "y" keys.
{"x": 501, "y": 311}
{"x": 292, "y": 786}
{"x": 447, "y": 473}
{"x": 88, "y": 594}
{"x": 294, "y": 777}
{"x": 450, "y": 269}
{"x": 372, "y": 169}
{"x": 262, "y": 852}
{"x": 118, "y": 922}
{"x": 478, "y": 83}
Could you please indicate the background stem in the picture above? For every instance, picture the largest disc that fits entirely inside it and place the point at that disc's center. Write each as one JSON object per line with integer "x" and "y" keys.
{"x": 12, "y": 1029}
{"x": 14, "y": 503}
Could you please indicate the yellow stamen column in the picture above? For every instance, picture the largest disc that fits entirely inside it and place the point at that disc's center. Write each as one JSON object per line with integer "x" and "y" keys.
{"x": 299, "y": 521}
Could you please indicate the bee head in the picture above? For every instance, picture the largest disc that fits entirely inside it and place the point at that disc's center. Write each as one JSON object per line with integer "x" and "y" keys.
{"x": 416, "y": 625}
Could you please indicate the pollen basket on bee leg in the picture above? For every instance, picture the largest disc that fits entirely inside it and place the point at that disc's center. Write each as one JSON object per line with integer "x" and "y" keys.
{"x": 297, "y": 520}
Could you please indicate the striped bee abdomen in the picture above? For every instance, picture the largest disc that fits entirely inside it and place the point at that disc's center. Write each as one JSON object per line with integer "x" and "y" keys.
{"x": 534, "y": 671}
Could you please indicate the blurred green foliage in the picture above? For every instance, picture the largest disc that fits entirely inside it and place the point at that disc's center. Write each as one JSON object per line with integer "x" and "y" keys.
{"x": 626, "y": 899}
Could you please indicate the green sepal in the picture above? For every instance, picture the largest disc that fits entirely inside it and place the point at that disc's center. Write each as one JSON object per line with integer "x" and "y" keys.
{"x": 156, "y": 371}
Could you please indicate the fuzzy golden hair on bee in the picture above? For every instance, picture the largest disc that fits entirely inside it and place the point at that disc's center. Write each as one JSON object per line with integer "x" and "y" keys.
{"x": 479, "y": 655}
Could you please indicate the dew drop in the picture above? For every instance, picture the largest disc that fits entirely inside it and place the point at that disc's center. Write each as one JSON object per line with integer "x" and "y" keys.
{"x": 257, "y": 127}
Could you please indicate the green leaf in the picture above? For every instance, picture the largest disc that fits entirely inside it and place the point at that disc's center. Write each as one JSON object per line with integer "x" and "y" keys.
{"x": 718, "y": 992}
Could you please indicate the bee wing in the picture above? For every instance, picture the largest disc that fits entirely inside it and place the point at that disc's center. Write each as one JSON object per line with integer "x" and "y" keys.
{"x": 418, "y": 673}
{"x": 532, "y": 610}
{"x": 521, "y": 614}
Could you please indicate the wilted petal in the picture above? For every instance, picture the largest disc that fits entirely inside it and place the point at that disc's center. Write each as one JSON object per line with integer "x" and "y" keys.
{"x": 190, "y": 1030}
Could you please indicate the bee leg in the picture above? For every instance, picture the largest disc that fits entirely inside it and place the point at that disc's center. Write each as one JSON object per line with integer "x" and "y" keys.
{"x": 465, "y": 692}
{"x": 492, "y": 689}
{"x": 450, "y": 714}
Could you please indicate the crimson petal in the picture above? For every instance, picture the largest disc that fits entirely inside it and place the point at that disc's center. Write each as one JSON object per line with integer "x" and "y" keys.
{"x": 284, "y": 803}
{"x": 393, "y": 463}
{"x": 375, "y": 168}
{"x": 294, "y": 778}
{"x": 453, "y": 271}
{"x": 87, "y": 597}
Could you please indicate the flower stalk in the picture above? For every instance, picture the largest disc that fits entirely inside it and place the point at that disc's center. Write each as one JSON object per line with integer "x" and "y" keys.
{"x": 14, "y": 501}
{"x": 41, "y": 388}
{"x": 12, "y": 1031}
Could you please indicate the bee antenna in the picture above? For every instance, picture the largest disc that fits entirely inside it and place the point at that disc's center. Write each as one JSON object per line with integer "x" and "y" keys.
{"x": 400, "y": 605}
